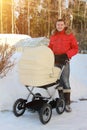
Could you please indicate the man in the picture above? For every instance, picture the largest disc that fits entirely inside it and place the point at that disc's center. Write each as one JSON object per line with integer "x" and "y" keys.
{"x": 64, "y": 45}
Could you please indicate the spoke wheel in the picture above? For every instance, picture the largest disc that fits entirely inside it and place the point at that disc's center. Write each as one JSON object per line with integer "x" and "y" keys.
{"x": 60, "y": 106}
{"x": 45, "y": 113}
{"x": 19, "y": 107}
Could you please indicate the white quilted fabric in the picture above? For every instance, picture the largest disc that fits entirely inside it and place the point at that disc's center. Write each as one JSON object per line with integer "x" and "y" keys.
{"x": 36, "y": 67}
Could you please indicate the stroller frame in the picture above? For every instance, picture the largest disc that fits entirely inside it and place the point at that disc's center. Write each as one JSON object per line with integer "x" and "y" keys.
{"x": 43, "y": 105}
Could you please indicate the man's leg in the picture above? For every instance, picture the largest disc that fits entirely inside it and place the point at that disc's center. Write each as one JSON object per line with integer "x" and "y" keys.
{"x": 67, "y": 101}
{"x": 66, "y": 86}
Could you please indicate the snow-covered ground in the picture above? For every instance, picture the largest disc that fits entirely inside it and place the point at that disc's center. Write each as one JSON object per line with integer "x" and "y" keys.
{"x": 11, "y": 89}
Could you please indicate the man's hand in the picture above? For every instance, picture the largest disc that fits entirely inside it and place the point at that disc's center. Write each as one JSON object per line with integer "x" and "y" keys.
{"x": 61, "y": 59}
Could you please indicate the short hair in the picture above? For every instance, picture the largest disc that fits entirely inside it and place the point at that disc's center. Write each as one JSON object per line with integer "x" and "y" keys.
{"x": 60, "y": 20}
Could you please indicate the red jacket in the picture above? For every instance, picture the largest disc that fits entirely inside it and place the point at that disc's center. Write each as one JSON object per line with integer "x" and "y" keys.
{"x": 62, "y": 43}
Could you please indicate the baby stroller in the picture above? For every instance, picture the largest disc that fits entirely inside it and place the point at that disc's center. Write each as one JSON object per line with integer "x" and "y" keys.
{"x": 37, "y": 70}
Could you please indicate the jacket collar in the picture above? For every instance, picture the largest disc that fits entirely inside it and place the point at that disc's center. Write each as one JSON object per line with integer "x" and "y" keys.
{"x": 60, "y": 32}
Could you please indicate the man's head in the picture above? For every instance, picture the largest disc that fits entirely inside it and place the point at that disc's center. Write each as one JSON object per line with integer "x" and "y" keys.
{"x": 60, "y": 25}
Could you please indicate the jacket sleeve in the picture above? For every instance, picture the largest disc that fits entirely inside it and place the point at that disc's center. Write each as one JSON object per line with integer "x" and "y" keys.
{"x": 73, "y": 47}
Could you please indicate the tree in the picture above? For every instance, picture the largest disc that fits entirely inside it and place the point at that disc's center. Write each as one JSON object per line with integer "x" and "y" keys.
{"x": 37, "y": 17}
{"x": 6, "y": 15}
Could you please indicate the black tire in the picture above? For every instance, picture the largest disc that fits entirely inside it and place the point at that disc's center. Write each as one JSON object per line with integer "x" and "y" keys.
{"x": 60, "y": 106}
{"x": 19, "y": 107}
{"x": 45, "y": 113}
{"x": 36, "y": 94}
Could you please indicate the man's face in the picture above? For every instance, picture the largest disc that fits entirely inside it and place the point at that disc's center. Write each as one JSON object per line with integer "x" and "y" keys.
{"x": 60, "y": 25}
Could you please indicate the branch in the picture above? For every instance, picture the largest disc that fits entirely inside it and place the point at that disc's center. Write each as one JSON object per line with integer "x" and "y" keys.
{"x": 6, "y": 52}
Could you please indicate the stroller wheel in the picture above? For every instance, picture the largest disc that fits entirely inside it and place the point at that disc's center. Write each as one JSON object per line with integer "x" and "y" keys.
{"x": 19, "y": 107}
{"x": 45, "y": 113}
{"x": 60, "y": 106}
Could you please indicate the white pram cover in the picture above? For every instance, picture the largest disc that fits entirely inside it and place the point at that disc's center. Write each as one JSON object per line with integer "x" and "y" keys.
{"x": 36, "y": 66}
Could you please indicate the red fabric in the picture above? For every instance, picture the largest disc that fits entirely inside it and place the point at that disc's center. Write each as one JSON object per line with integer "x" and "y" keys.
{"x": 62, "y": 43}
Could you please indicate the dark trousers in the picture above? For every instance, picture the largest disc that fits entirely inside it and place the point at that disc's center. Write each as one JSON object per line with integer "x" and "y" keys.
{"x": 64, "y": 87}
{"x": 64, "y": 79}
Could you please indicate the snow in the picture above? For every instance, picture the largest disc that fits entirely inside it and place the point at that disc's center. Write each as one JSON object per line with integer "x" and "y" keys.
{"x": 32, "y": 42}
{"x": 78, "y": 76}
{"x": 12, "y": 39}
{"x": 11, "y": 89}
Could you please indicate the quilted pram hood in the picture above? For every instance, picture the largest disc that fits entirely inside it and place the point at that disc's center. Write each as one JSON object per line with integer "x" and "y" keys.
{"x": 36, "y": 66}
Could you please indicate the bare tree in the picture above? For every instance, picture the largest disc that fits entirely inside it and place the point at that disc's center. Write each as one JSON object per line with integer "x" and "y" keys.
{"x": 6, "y": 52}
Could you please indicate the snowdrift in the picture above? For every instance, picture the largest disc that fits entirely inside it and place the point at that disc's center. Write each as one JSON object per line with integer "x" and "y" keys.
{"x": 12, "y": 39}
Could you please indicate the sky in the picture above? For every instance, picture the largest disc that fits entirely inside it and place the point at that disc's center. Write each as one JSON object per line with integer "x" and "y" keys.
{"x": 11, "y": 89}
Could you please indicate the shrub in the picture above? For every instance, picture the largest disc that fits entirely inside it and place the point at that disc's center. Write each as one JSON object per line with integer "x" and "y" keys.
{"x": 6, "y": 52}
